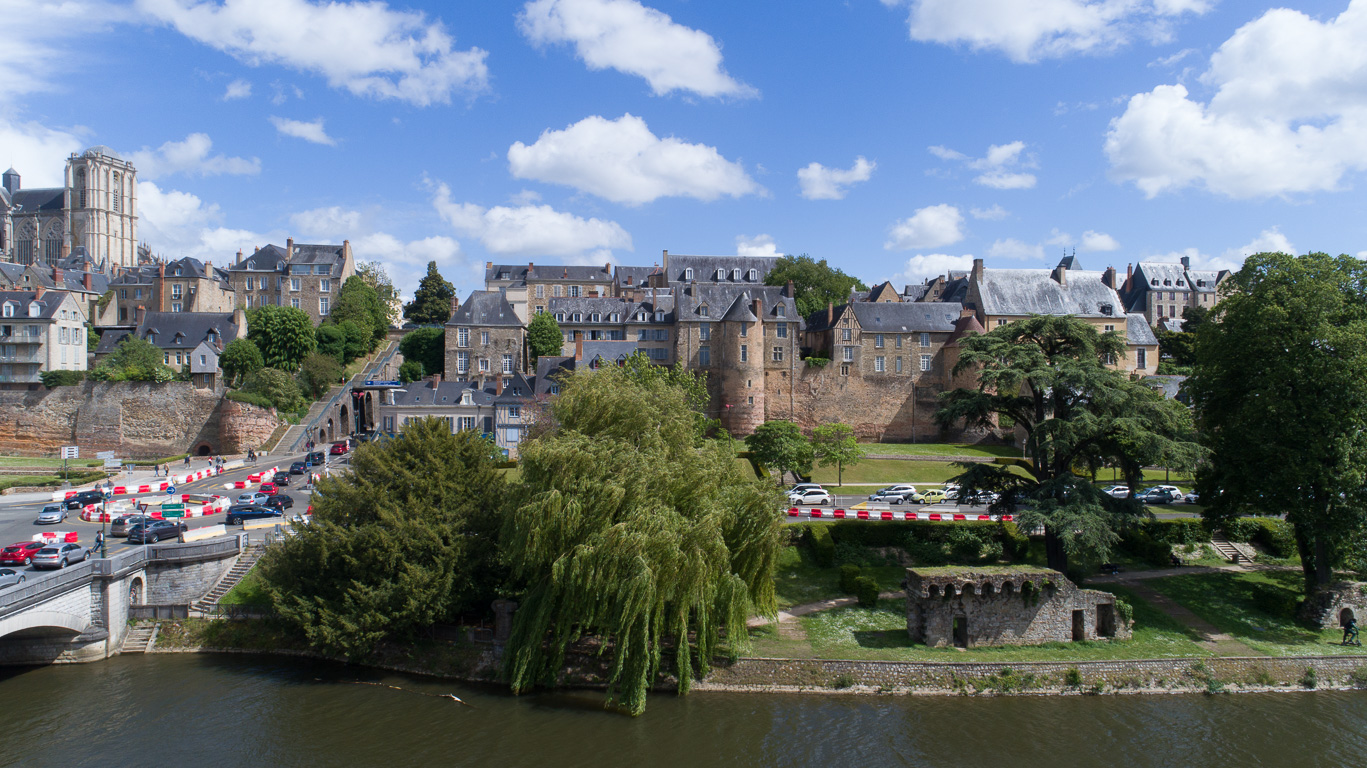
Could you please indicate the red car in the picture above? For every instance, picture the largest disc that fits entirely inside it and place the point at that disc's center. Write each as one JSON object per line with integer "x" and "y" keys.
{"x": 21, "y": 553}
{"x": 268, "y": 488}
{"x": 338, "y": 449}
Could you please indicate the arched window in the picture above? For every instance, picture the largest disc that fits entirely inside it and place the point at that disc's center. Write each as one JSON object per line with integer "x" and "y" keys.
{"x": 80, "y": 186}
{"x": 118, "y": 193}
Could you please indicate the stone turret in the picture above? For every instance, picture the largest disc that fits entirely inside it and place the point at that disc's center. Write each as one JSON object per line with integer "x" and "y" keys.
{"x": 742, "y": 365}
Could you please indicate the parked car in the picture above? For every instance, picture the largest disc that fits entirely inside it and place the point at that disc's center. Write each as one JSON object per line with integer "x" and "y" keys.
{"x": 83, "y": 498}
{"x": 52, "y": 513}
{"x": 268, "y": 488}
{"x": 253, "y": 497}
{"x": 316, "y": 459}
{"x": 810, "y": 496}
{"x": 155, "y": 531}
{"x": 932, "y": 496}
{"x": 280, "y": 501}
{"x": 59, "y": 555}
{"x": 338, "y": 449}
{"x": 803, "y": 487}
{"x": 9, "y": 577}
{"x": 21, "y": 553}
{"x": 1162, "y": 494}
{"x": 237, "y": 513}
{"x": 893, "y": 493}
{"x": 1118, "y": 491}
{"x": 298, "y": 468}
{"x": 281, "y": 478}
{"x": 121, "y": 525}
{"x": 1192, "y": 497}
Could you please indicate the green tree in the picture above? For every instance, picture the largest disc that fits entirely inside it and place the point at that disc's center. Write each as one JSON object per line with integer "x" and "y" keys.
{"x": 134, "y": 359}
{"x": 630, "y": 526}
{"x": 284, "y": 335}
{"x": 377, "y": 277}
{"x": 240, "y": 359}
{"x": 358, "y": 339}
{"x": 835, "y": 444}
{"x": 815, "y": 283}
{"x": 780, "y": 445}
{"x": 411, "y": 371}
{"x": 358, "y": 303}
{"x": 59, "y": 378}
{"x": 544, "y": 337}
{"x": 278, "y": 387}
{"x": 431, "y": 304}
{"x": 332, "y": 342}
{"x": 1280, "y": 391}
{"x": 407, "y": 538}
{"x": 317, "y": 374}
{"x": 426, "y": 346}
{"x": 1048, "y": 375}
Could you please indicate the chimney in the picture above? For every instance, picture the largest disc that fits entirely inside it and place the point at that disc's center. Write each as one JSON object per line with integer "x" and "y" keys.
{"x": 789, "y": 290}
{"x": 240, "y": 320}
{"x": 58, "y": 279}
{"x": 977, "y": 274}
{"x": 1108, "y": 277}
{"x": 161, "y": 270}
{"x": 138, "y": 315}
{"x": 578, "y": 347}
{"x": 289, "y": 248}
{"x": 759, "y": 308}
{"x": 86, "y": 277}
{"x": 239, "y": 257}
{"x": 1186, "y": 262}
{"x": 455, "y": 304}
{"x": 38, "y": 293}
{"x": 435, "y": 379}
{"x": 1060, "y": 275}
{"x": 498, "y": 385}
{"x": 1129, "y": 279}
{"x": 966, "y": 312}
{"x": 830, "y": 314}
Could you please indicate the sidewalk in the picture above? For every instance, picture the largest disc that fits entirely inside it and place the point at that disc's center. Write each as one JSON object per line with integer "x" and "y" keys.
{"x": 139, "y": 476}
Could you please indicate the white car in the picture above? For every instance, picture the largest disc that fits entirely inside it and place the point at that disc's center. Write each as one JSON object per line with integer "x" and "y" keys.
{"x": 800, "y": 487}
{"x": 1118, "y": 491}
{"x": 894, "y": 493}
{"x": 52, "y": 513}
{"x": 809, "y": 497}
{"x": 252, "y": 498}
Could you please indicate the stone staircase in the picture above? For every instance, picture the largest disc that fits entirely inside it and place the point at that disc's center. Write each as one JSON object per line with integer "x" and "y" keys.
{"x": 293, "y": 440}
{"x": 140, "y": 638}
{"x": 245, "y": 562}
{"x": 1235, "y": 553}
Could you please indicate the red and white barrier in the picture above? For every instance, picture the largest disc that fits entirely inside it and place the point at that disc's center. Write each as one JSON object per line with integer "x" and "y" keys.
{"x": 252, "y": 479}
{"x": 816, "y": 513}
{"x": 92, "y": 513}
{"x": 61, "y": 537}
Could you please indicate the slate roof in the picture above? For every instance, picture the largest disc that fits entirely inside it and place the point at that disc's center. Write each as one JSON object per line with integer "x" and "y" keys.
{"x": 549, "y": 369}
{"x": 705, "y": 269}
{"x": 659, "y": 302}
{"x": 444, "y": 394}
{"x": 740, "y": 311}
{"x": 1170, "y": 386}
{"x": 638, "y": 276}
{"x": 31, "y": 200}
{"x": 306, "y": 253}
{"x": 485, "y": 308}
{"x": 1035, "y": 292}
{"x": 884, "y": 291}
{"x": 271, "y": 258}
{"x": 48, "y": 305}
{"x": 176, "y": 331}
{"x": 563, "y": 272}
{"x": 1137, "y": 331}
{"x": 914, "y": 292}
{"x": 720, "y": 297}
{"x": 608, "y": 351}
{"x": 925, "y": 316}
{"x": 147, "y": 274}
{"x": 587, "y": 305}
{"x": 12, "y": 273}
{"x": 519, "y": 389}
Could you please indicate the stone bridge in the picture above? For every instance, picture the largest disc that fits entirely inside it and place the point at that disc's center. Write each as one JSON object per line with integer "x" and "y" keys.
{"x": 81, "y": 613}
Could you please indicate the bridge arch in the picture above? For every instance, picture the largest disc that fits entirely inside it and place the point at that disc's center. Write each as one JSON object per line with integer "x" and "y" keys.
{"x": 44, "y": 623}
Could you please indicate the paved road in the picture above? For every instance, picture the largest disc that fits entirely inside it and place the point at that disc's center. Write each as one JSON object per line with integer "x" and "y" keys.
{"x": 856, "y": 502}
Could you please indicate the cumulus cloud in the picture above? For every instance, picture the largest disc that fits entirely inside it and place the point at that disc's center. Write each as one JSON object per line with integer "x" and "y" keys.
{"x": 1097, "y": 241}
{"x": 34, "y": 53}
{"x": 190, "y": 157}
{"x": 934, "y": 226}
{"x": 995, "y": 213}
{"x": 237, "y": 89}
{"x": 404, "y": 260}
{"x": 1270, "y": 240}
{"x": 1285, "y": 116}
{"x": 179, "y": 223}
{"x": 529, "y": 229}
{"x": 37, "y": 152}
{"x": 1044, "y": 29}
{"x": 1011, "y": 248}
{"x": 822, "y": 183}
{"x": 366, "y": 48}
{"x": 924, "y": 266}
{"x": 622, "y": 161}
{"x": 332, "y": 222}
{"x": 759, "y": 245}
{"x": 633, "y": 39}
{"x": 311, "y": 131}
{"x": 1000, "y": 168}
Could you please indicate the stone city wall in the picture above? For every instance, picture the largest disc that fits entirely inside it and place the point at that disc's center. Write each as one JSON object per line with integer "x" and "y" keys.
{"x": 242, "y": 426}
{"x": 885, "y": 408}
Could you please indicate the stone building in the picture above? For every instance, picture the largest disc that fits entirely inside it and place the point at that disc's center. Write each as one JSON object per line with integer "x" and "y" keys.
{"x": 495, "y": 406}
{"x": 183, "y": 285}
{"x": 1159, "y": 291}
{"x": 300, "y": 275}
{"x": 968, "y": 607}
{"x": 188, "y": 340}
{"x": 76, "y": 274}
{"x": 1331, "y": 606}
{"x": 485, "y": 338}
{"x": 648, "y": 321}
{"x": 712, "y": 270}
{"x": 96, "y": 207}
{"x": 40, "y": 331}
{"x": 529, "y": 289}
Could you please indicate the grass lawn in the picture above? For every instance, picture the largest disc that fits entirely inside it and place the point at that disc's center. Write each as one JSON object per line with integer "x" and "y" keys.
{"x": 77, "y": 478}
{"x": 1227, "y": 600}
{"x": 250, "y": 591}
{"x": 31, "y": 461}
{"x": 798, "y": 579}
{"x": 940, "y": 449}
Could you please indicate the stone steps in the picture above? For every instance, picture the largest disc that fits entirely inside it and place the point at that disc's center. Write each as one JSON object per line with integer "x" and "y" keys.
{"x": 140, "y": 639}
{"x": 1226, "y": 549}
{"x": 245, "y": 563}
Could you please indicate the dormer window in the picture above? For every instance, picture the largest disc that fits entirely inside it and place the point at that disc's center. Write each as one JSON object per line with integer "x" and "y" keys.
{"x": 595, "y": 318}
{"x": 659, "y": 317}
{"x": 1181, "y": 282}
{"x": 560, "y": 317}
{"x": 735, "y": 274}
{"x": 615, "y": 317}
{"x": 779, "y": 310}
{"x": 721, "y": 274}
{"x": 1200, "y": 283}
{"x": 688, "y": 273}
{"x": 577, "y": 318}
{"x": 177, "y": 271}
{"x": 1167, "y": 282}
{"x": 702, "y": 310}
{"x": 467, "y": 398}
{"x": 9, "y": 309}
{"x": 1154, "y": 281}
{"x": 35, "y": 309}
{"x": 752, "y": 275}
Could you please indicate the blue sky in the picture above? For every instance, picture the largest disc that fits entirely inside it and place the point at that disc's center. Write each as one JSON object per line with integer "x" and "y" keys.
{"x": 895, "y": 138}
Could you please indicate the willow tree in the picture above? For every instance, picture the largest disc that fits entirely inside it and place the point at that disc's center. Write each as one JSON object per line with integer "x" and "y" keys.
{"x": 1049, "y": 376}
{"x": 633, "y": 528}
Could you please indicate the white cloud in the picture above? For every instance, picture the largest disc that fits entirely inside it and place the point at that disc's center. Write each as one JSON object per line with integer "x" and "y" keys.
{"x": 759, "y": 245}
{"x": 33, "y": 54}
{"x": 333, "y": 222}
{"x": 1043, "y": 29}
{"x": 37, "y": 152}
{"x": 404, "y": 260}
{"x": 529, "y": 229}
{"x": 179, "y": 223}
{"x": 1011, "y": 248}
{"x": 364, "y": 47}
{"x": 1000, "y": 167}
{"x": 1286, "y": 116}
{"x": 995, "y": 213}
{"x": 1097, "y": 241}
{"x": 631, "y": 38}
{"x": 922, "y": 266}
{"x": 622, "y": 161}
{"x": 822, "y": 183}
{"x": 1270, "y": 240}
{"x": 237, "y": 89}
{"x": 310, "y": 131}
{"x": 190, "y": 157}
{"x": 930, "y": 227}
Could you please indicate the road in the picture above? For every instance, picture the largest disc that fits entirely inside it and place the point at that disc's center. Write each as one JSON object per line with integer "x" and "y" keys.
{"x": 17, "y": 518}
{"x": 857, "y": 502}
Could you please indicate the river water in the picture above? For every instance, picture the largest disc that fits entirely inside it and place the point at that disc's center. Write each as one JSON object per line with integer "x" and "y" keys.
{"x": 230, "y": 710}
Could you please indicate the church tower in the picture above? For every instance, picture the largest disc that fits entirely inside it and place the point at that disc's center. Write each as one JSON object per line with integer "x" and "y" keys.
{"x": 102, "y": 206}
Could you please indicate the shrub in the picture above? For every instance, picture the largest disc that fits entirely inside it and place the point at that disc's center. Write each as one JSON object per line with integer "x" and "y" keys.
{"x": 818, "y": 540}
{"x": 1241, "y": 529}
{"x": 1276, "y": 536}
{"x": 278, "y": 387}
{"x": 1137, "y": 542}
{"x": 1310, "y": 679}
{"x": 250, "y": 397}
{"x": 54, "y": 379}
{"x": 848, "y": 575}
{"x": 1124, "y": 610}
{"x": 1180, "y": 531}
{"x": 1015, "y": 543}
{"x": 817, "y": 362}
{"x": 853, "y": 554}
{"x": 1072, "y": 678}
{"x": 866, "y": 591}
{"x": 842, "y": 681}
{"x": 963, "y": 543}
{"x": 411, "y": 371}
{"x": 317, "y": 374}
{"x": 1359, "y": 677}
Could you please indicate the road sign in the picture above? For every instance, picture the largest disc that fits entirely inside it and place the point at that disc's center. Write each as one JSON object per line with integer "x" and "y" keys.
{"x": 104, "y": 455}
{"x": 71, "y": 452}
{"x": 375, "y": 383}
{"x": 112, "y": 463}
{"x": 173, "y": 510}
{"x": 170, "y": 490}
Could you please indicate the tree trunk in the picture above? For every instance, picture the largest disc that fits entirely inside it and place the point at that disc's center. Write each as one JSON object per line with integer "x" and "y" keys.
{"x": 1055, "y": 554}
{"x": 1324, "y": 571}
{"x": 1307, "y": 560}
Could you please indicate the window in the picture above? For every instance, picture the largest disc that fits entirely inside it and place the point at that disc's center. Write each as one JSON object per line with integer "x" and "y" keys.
{"x": 702, "y": 311}
{"x": 844, "y": 369}
{"x": 176, "y": 290}
{"x": 321, "y": 269}
{"x": 735, "y": 274}
{"x": 662, "y": 334}
{"x": 879, "y": 365}
{"x": 514, "y": 411}
{"x": 781, "y": 330}
{"x": 560, "y": 317}
{"x": 118, "y": 193}
{"x": 251, "y": 282}
{"x": 1172, "y": 295}
{"x": 1001, "y": 321}
{"x": 744, "y": 353}
{"x": 484, "y": 338}
{"x": 9, "y": 310}
{"x": 925, "y": 362}
{"x": 123, "y": 293}
{"x": 750, "y": 400}
{"x": 323, "y": 305}
{"x": 484, "y": 365}
{"x": 752, "y": 275}
{"x": 778, "y": 354}
{"x": 643, "y": 334}
{"x": 555, "y": 388}
{"x": 325, "y": 285}
{"x": 1109, "y": 359}
{"x": 1109, "y": 328}
{"x": 1141, "y": 358}
{"x": 704, "y": 356}
{"x": 577, "y": 318}
{"x": 465, "y": 423}
{"x": 659, "y": 317}
{"x": 780, "y": 310}
{"x": 178, "y": 359}
{"x": 721, "y": 274}
{"x": 688, "y": 273}
{"x": 615, "y": 317}
{"x": 541, "y": 291}
{"x": 574, "y": 291}
{"x": 63, "y": 334}
{"x": 247, "y": 302}
{"x": 166, "y": 359}
{"x": 557, "y": 291}
{"x": 899, "y": 364}
{"x": 80, "y": 182}
{"x": 540, "y": 308}
{"x": 705, "y": 332}
{"x": 203, "y": 361}
{"x": 745, "y": 330}
{"x": 878, "y": 340}
{"x": 462, "y": 362}
{"x": 595, "y": 317}
{"x": 463, "y": 337}
{"x": 175, "y": 307}
{"x": 507, "y": 363}
{"x": 294, "y": 283}
{"x": 137, "y": 292}
{"x": 925, "y": 337}
{"x": 847, "y": 354}
{"x": 1172, "y": 311}
{"x": 846, "y": 334}
{"x": 294, "y": 302}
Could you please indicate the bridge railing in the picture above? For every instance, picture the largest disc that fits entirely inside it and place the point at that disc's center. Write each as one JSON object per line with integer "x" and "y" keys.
{"x": 220, "y": 546}
{"x": 37, "y": 586}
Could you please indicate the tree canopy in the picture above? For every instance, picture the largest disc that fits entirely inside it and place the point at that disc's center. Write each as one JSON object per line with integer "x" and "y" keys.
{"x": 134, "y": 359}
{"x": 426, "y": 346}
{"x": 359, "y": 303}
{"x": 431, "y": 304}
{"x": 278, "y": 387}
{"x": 284, "y": 335}
{"x": 1280, "y": 391}
{"x": 408, "y": 538}
{"x": 781, "y": 446}
{"x": 317, "y": 374}
{"x": 544, "y": 337}
{"x": 835, "y": 445}
{"x": 631, "y": 526}
{"x": 377, "y": 277}
{"x": 1048, "y": 375}
{"x": 815, "y": 283}
{"x": 239, "y": 359}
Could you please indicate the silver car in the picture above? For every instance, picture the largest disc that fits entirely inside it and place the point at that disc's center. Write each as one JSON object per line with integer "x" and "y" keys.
{"x": 52, "y": 513}
{"x": 252, "y": 498}
{"x": 59, "y": 556}
{"x": 9, "y": 577}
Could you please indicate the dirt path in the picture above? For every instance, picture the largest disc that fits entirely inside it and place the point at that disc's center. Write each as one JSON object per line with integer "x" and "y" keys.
{"x": 1220, "y": 643}
{"x": 787, "y": 615}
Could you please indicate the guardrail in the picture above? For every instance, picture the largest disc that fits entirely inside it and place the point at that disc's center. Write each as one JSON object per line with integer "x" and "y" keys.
{"x": 178, "y": 552}
{"x": 48, "y": 582}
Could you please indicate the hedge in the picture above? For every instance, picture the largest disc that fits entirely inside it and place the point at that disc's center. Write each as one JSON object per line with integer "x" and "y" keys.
{"x": 848, "y": 575}
{"x": 817, "y": 537}
{"x": 251, "y": 398}
{"x": 1275, "y": 535}
{"x": 866, "y": 591}
{"x": 929, "y": 543}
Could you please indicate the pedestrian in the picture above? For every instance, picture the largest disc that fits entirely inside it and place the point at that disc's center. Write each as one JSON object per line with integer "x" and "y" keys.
{"x": 99, "y": 543}
{"x": 187, "y": 459}
{"x": 1350, "y": 631}
{"x": 156, "y": 470}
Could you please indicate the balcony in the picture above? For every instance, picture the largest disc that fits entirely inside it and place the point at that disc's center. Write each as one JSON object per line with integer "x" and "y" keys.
{"x": 20, "y": 338}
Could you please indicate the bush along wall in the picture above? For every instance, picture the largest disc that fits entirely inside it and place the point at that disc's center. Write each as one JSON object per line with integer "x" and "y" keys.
{"x": 928, "y": 543}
